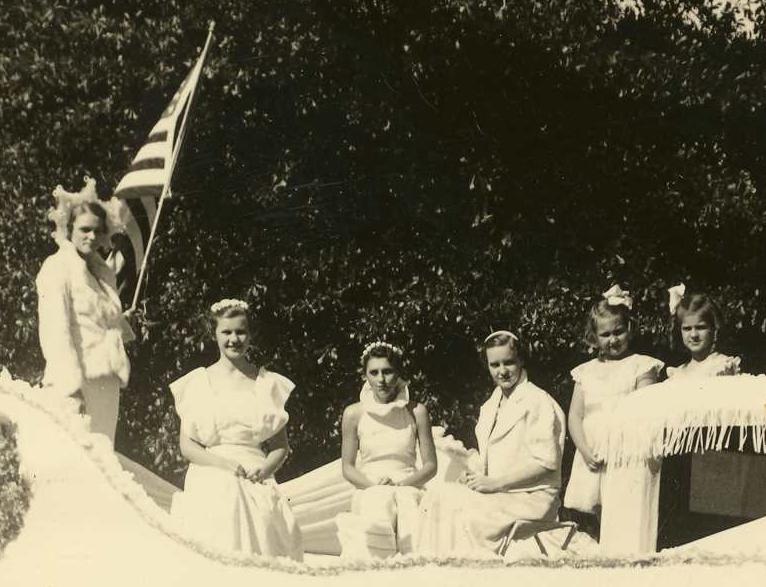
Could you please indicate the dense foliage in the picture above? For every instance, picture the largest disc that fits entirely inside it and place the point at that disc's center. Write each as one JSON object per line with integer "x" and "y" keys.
{"x": 417, "y": 171}
{"x": 14, "y": 491}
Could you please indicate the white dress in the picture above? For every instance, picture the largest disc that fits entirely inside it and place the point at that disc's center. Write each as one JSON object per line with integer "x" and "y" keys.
{"x": 383, "y": 518}
{"x": 528, "y": 428}
{"x": 603, "y": 385}
{"x": 216, "y": 507}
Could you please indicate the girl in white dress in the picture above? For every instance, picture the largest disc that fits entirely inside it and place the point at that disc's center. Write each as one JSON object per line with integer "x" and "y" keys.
{"x": 233, "y": 433}
{"x": 599, "y": 385}
{"x": 81, "y": 323}
{"x": 381, "y": 434}
{"x": 696, "y": 323}
{"x": 520, "y": 433}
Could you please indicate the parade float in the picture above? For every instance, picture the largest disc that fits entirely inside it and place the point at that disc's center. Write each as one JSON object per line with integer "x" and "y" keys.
{"x": 98, "y": 518}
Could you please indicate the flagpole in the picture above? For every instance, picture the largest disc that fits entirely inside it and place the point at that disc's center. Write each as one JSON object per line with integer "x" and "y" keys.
{"x": 174, "y": 159}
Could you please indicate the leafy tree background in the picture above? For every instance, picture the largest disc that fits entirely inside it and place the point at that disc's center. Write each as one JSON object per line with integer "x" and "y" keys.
{"x": 419, "y": 172}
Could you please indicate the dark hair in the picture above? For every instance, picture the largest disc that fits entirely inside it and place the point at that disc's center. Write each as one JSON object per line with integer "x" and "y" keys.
{"x": 503, "y": 339}
{"x": 603, "y": 309}
{"x": 84, "y": 208}
{"x": 695, "y": 303}
{"x": 382, "y": 352}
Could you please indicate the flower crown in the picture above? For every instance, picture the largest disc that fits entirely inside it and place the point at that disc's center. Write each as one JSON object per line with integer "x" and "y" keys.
{"x": 380, "y": 344}
{"x": 66, "y": 201}
{"x": 675, "y": 295}
{"x": 616, "y": 296}
{"x": 227, "y": 304}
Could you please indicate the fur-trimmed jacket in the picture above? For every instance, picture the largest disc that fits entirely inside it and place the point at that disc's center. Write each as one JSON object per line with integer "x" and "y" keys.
{"x": 82, "y": 329}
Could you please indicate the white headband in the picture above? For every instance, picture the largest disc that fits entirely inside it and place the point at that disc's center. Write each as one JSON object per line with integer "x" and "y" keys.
{"x": 499, "y": 333}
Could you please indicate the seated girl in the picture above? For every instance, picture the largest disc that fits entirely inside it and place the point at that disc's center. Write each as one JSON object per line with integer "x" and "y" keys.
{"x": 233, "y": 434}
{"x": 381, "y": 433}
{"x": 520, "y": 434}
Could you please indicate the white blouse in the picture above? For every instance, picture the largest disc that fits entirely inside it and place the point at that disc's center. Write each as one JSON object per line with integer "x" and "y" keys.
{"x": 81, "y": 326}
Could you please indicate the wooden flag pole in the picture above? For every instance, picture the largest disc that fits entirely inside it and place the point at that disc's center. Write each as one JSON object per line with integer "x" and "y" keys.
{"x": 174, "y": 159}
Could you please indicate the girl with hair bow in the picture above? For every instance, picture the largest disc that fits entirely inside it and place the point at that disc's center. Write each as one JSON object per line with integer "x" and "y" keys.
{"x": 599, "y": 385}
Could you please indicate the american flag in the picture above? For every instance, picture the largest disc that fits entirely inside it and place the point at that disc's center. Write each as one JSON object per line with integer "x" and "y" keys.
{"x": 147, "y": 183}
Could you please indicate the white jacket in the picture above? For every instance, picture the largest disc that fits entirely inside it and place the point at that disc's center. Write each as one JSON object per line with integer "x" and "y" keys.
{"x": 82, "y": 329}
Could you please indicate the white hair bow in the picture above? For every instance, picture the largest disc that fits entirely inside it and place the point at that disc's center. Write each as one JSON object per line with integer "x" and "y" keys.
{"x": 675, "y": 295}
{"x": 616, "y": 296}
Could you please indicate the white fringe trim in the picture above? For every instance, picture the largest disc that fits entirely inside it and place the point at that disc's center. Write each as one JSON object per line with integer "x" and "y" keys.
{"x": 687, "y": 415}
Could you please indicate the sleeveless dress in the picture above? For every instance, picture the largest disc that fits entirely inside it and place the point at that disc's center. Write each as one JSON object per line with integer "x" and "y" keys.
{"x": 529, "y": 428}
{"x": 216, "y": 507}
{"x": 603, "y": 385}
{"x": 383, "y": 518}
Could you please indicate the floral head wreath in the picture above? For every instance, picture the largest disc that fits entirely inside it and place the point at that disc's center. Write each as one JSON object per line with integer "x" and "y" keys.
{"x": 227, "y": 304}
{"x": 67, "y": 201}
{"x": 675, "y": 295}
{"x": 616, "y": 296}
{"x": 507, "y": 333}
{"x": 380, "y": 344}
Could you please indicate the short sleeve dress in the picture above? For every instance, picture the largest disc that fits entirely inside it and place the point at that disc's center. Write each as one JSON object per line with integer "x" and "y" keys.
{"x": 216, "y": 507}
{"x": 603, "y": 384}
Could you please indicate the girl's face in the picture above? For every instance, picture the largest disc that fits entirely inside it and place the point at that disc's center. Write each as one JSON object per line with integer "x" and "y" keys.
{"x": 233, "y": 337}
{"x": 382, "y": 378}
{"x": 613, "y": 336}
{"x": 505, "y": 366}
{"x": 87, "y": 229}
{"x": 697, "y": 335}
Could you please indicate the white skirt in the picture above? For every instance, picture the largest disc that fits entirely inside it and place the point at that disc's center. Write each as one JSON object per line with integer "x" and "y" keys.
{"x": 230, "y": 513}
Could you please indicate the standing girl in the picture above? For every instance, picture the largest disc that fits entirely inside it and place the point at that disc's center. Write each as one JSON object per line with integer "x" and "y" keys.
{"x": 599, "y": 384}
{"x": 520, "y": 433}
{"x": 696, "y": 324}
{"x": 81, "y": 324}
{"x": 381, "y": 433}
{"x": 233, "y": 434}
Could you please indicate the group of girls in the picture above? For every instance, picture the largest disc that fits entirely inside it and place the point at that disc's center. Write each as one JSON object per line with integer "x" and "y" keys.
{"x": 233, "y": 433}
{"x": 233, "y": 416}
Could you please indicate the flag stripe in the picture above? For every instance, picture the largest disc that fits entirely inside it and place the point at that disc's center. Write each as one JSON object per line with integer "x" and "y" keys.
{"x": 140, "y": 191}
{"x": 144, "y": 182}
{"x": 139, "y": 215}
{"x": 149, "y": 163}
{"x": 157, "y": 137}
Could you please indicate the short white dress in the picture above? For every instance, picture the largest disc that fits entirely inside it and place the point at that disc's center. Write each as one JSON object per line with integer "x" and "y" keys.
{"x": 603, "y": 384}
{"x": 383, "y": 518}
{"x": 216, "y": 507}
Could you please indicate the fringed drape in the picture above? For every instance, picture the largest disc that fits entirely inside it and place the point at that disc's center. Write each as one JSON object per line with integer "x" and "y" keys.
{"x": 687, "y": 415}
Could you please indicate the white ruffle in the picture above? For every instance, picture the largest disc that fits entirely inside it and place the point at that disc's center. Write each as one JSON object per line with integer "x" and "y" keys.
{"x": 371, "y": 406}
